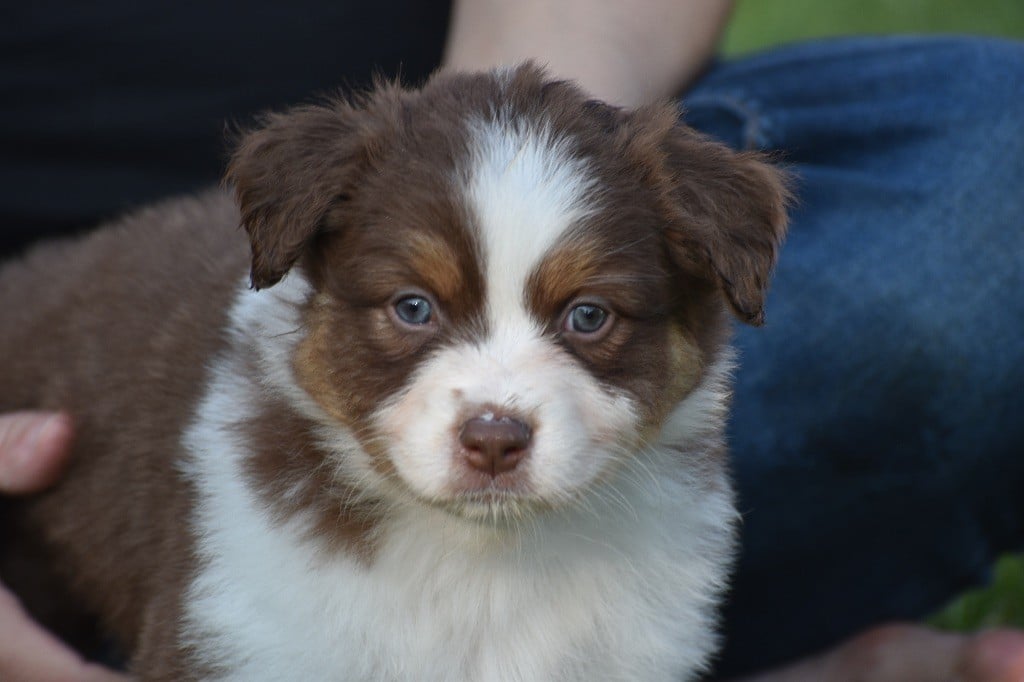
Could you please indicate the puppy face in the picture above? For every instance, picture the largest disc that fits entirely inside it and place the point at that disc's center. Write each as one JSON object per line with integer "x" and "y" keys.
{"x": 512, "y": 285}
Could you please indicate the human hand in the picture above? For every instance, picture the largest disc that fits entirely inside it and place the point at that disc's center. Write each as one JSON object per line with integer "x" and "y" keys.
{"x": 33, "y": 446}
{"x": 33, "y": 450}
{"x": 904, "y": 651}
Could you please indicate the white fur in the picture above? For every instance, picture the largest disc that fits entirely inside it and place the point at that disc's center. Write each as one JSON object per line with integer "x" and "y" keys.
{"x": 524, "y": 190}
{"x": 620, "y": 583}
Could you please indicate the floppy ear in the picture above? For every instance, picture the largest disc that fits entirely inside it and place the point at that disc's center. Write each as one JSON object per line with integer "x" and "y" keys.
{"x": 730, "y": 217}
{"x": 286, "y": 175}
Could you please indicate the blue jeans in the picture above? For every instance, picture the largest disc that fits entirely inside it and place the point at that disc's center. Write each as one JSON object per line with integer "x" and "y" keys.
{"x": 878, "y": 428}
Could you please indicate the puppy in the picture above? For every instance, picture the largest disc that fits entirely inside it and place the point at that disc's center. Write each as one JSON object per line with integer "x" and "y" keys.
{"x": 463, "y": 419}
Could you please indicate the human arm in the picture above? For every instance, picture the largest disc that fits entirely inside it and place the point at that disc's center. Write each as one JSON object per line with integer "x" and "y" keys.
{"x": 623, "y": 52}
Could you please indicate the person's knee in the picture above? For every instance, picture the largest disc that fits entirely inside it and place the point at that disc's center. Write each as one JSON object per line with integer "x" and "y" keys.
{"x": 969, "y": 156}
{"x": 983, "y": 81}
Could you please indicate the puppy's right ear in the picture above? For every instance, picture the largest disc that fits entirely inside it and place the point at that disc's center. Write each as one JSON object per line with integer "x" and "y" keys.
{"x": 286, "y": 175}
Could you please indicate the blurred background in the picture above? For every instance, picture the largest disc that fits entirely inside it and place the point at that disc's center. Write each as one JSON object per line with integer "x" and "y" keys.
{"x": 759, "y": 24}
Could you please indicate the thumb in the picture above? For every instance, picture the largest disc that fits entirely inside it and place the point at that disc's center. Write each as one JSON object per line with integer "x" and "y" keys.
{"x": 33, "y": 447}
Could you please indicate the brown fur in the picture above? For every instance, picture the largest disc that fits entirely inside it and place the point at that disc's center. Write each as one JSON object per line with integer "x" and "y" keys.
{"x": 696, "y": 221}
{"x": 118, "y": 328}
{"x": 292, "y": 473}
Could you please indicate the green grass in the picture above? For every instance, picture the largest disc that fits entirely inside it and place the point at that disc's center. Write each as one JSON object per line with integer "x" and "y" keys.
{"x": 1001, "y": 603}
{"x": 759, "y": 24}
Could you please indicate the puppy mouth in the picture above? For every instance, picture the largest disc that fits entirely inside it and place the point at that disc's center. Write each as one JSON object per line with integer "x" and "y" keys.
{"x": 495, "y": 506}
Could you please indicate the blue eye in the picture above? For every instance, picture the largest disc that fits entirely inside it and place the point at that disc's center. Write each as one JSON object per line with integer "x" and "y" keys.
{"x": 413, "y": 310}
{"x": 586, "y": 319}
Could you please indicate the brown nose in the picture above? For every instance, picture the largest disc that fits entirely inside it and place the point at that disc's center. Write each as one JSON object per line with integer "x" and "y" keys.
{"x": 494, "y": 445}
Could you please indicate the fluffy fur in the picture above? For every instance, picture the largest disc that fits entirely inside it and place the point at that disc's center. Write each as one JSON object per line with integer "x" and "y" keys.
{"x": 272, "y": 478}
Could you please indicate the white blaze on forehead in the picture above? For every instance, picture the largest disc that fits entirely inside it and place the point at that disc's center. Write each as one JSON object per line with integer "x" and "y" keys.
{"x": 525, "y": 189}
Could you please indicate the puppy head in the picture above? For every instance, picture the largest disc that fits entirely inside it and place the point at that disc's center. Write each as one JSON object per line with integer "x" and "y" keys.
{"x": 512, "y": 285}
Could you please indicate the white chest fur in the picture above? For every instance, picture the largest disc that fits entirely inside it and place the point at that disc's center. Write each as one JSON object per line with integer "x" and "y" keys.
{"x": 621, "y": 587}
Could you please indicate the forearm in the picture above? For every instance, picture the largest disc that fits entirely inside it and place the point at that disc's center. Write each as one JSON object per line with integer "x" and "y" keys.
{"x": 622, "y": 52}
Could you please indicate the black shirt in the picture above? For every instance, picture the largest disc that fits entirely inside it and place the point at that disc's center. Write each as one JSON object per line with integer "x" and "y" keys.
{"x": 106, "y": 105}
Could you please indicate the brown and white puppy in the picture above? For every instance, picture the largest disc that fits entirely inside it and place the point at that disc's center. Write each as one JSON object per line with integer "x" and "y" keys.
{"x": 466, "y": 423}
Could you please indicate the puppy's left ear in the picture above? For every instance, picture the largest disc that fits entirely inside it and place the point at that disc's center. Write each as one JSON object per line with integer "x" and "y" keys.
{"x": 286, "y": 175}
{"x": 730, "y": 217}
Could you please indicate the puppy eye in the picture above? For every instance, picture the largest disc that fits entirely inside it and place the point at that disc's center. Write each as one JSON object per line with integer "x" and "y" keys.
{"x": 413, "y": 310}
{"x": 586, "y": 319}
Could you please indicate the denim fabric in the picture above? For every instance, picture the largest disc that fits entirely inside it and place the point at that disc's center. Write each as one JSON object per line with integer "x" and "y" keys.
{"x": 878, "y": 426}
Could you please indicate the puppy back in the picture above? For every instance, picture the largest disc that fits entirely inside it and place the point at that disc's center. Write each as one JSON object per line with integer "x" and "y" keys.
{"x": 116, "y": 328}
